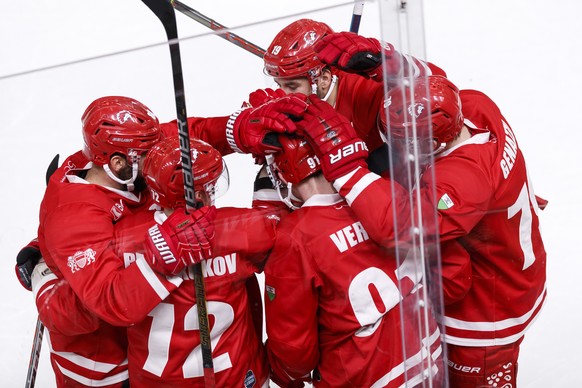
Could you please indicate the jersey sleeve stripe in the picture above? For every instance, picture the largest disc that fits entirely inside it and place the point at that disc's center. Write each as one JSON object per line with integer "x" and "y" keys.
{"x": 153, "y": 279}
{"x": 358, "y": 187}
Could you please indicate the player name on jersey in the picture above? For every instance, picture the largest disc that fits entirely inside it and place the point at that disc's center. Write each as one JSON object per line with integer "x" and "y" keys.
{"x": 349, "y": 236}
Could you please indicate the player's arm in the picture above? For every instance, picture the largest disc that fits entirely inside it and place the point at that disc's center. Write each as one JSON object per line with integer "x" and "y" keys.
{"x": 85, "y": 256}
{"x": 377, "y": 203}
{"x": 291, "y": 312}
{"x": 354, "y": 53}
{"x": 59, "y": 309}
{"x": 208, "y": 129}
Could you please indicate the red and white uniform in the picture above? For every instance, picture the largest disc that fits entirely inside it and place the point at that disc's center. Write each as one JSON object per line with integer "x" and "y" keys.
{"x": 485, "y": 199}
{"x": 359, "y": 100}
{"x": 333, "y": 304}
{"x": 164, "y": 349}
{"x": 76, "y": 237}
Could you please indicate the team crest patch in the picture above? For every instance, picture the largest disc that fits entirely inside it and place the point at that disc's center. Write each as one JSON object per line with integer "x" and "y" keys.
{"x": 117, "y": 210}
{"x": 250, "y": 379}
{"x": 270, "y": 292}
{"x": 445, "y": 202}
{"x": 81, "y": 259}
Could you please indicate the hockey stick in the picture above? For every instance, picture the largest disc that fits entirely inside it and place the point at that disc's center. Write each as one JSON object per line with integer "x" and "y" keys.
{"x": 39, "y": 331}
{"x": 34, "y": 354}
{"x": 357, "y": 16}
{"x": 164, "y": 11}
{"x": 213, "y": 25}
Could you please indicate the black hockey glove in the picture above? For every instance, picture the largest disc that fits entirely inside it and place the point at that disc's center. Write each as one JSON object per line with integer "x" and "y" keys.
{"x": 26, "y": 260}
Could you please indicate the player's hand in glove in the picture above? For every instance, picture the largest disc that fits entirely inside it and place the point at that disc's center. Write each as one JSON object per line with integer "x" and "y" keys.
{"x": 246, "y": 130}
{"x": 333, "y": 138}
{"x": 261, "y": 96}
{"x": 26, "y": 260}
{"x": 353, "y": 53}
{"x": 183, "y": 239}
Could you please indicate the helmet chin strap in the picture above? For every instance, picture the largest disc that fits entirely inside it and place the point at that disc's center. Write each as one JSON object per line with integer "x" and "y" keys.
{"x": 314, "y": 85}
{"x": 331, "y": 87}
{"x": 134, "y": 169}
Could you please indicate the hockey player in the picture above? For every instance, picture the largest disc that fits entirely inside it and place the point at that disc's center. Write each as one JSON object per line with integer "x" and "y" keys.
{"x": 80, "y": 209}
{"x": 164, "y": 349}
{"x": 481, "y": 191}
{"x": 333, "y": 301}
{"x": 345, "y": 70}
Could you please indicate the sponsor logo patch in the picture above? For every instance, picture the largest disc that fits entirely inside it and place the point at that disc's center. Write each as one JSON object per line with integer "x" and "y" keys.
{"x": 250, "y": 379}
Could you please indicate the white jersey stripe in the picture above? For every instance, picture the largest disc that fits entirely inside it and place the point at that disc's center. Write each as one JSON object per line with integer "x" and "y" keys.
{"x": 494, "y": 326}
{"x": 151, "y": 277}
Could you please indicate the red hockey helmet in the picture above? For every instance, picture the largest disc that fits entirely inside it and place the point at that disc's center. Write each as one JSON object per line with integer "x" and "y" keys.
{"x": 296, "y": 160}
{"x": 116, "y": 124}
{"x": 436, "y": 100}
{"x": 291, "y": 52}
{"x": 163, "y": 171}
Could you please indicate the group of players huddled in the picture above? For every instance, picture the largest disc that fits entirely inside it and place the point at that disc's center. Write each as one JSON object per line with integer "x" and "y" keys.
{"x": 343, "y": 293}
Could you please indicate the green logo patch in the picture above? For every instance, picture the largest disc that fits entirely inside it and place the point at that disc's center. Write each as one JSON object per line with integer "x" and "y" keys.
{"x": 270, "y": 292}
{"x": 445, "y": 202}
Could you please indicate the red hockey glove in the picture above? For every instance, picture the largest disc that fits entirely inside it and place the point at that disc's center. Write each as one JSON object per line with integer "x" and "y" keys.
{"x": 182, "y": 240}
{"x": 261, "y": 96}
{"x": 334, "y": 139}
{"x": 353, "y": 53}
{"x": 246, "y": 129}
{"x": 26, "y": 260}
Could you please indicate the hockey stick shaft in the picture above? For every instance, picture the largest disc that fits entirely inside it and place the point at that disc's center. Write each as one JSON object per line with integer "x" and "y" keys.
{"x": 164, "y": 11}
{"x": 357, "y": 16}
{"x": 34, "y": 354}
{"x": 39, "y": 330}
{"x": 214, "y": 25}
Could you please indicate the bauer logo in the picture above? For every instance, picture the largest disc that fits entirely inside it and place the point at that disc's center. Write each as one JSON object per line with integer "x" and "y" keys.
{"x": 81, "y": 259}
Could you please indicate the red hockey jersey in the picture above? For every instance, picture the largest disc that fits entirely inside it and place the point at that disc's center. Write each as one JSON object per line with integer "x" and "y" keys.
{"x": 333, "y": 304}
{"x": 76, "y": 237}
{"x": 484, "y": 198}
{"x": 164, "y": 349}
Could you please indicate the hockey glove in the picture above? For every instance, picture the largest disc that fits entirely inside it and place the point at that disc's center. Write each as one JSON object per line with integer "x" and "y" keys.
{"x": 261, "y": 96}
{"x": 26, "y": 260}
{"x": 353, "y": 53}
{"x": 334, "y": 139}
{"x": 246, "y": 129}
{"x": 183, "y": 239}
